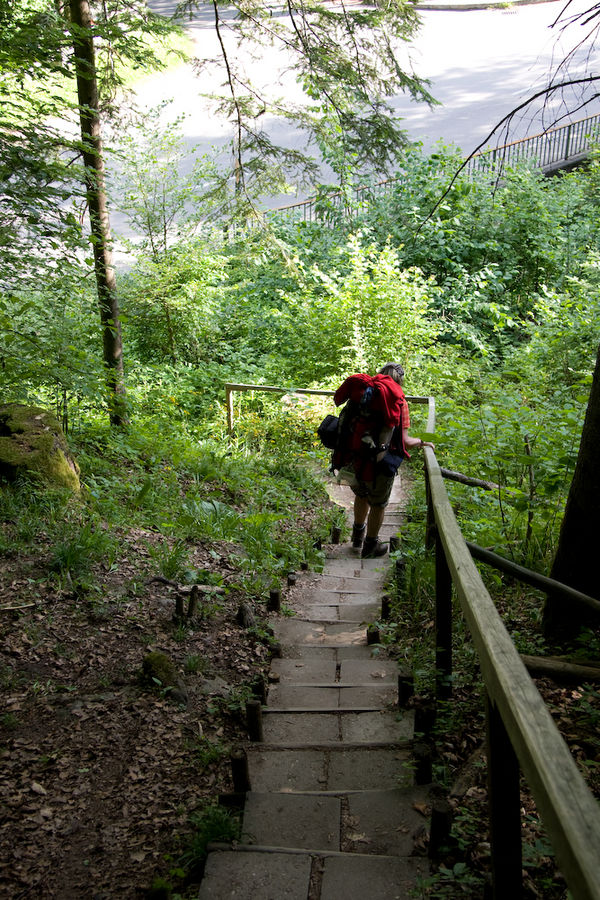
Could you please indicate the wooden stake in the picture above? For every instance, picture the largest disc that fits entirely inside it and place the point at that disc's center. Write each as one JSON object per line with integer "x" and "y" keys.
{"x": 439, "y": 829}
{"x": 240, "y": 771}
{"x": 274, "y": 601}
{"x": 373, "y": 635}
{"x": 406, "y": 689}
{"x": 254, "y": 720}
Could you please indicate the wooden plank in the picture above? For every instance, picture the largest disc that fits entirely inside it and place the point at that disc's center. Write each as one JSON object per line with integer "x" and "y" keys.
{"x": 542, "y": 582}
{"x": 569, "y": 811}
{"x": 505, "y": 809}
{"x": 560, "y": 669}
{"x": 443, "y": 624}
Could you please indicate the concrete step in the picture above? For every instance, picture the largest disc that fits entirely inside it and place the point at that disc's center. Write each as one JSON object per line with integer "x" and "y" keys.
{"x": 324, "y": 596}
{"x": 369, "y": 727}
{"x": 253, "y": 873}
{"x": 384, "y": 823}
{"x": 326, "y": 696}
{"x": 370, "y": 584}
{"x": 290, "y": 632}
{"x": 323, "y": 671}
{"x": 335, "y": 651}
{"x": 329, "y": 768}
{"x": 332, "y": 613}
{"x": 332, "y": 813}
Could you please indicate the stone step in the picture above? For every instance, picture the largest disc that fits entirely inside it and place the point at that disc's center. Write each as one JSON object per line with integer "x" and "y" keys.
{"x": 355, "y": 613}
{"x": 332, "y": 813}
{"x": 328, "y": 769}
{"x": 256, "y": 873}
{"x": 291, "y": 632}
{"x": 322, "y": 671}
{"x": 365, "y": 585}
{"x": 372, "y": 726}
{"x": 326, "y": 696}
{"x": 324, "y": 597}
{"x": 384, "y": 823}
{"x": 349, "y": 566}
{"x": 337, "y": 652}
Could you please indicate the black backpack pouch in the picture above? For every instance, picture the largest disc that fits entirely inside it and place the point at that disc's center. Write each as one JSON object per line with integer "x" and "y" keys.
{"x": 328, "y": 431}
{"x": 390, "y": 464}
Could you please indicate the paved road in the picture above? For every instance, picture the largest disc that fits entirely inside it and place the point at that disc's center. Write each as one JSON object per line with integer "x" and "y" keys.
{"x": 481, "y": 64}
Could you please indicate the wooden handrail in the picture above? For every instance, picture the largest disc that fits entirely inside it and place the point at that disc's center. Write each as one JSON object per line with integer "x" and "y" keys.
{"x": 230, "y": 387}
{"x": 517, "y": 718}
{"x": 528, "y": 576}
{"x": 522, "y": 735}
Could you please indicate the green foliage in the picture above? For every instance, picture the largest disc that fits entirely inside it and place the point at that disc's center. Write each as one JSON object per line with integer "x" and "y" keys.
{"x": 80, "y": 546}
{"x": 206, "y": 752}
{"x": 162, "y": 203}
{"x": 171, "y": 560}
{"x": 347, "y": 63}
{"x": 41, "y": 186}
{"x": 212, "y": 823}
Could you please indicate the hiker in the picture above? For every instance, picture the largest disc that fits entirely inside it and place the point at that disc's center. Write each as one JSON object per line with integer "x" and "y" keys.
{"x": 374, "y": 440}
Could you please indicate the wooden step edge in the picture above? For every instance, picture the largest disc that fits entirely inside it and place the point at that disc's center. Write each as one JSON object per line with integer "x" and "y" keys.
{"x": 330, "y": 710}
{"x": 338, "y": 746}
{"x": 216, "y": 846}
{"x": 380, "y": 683}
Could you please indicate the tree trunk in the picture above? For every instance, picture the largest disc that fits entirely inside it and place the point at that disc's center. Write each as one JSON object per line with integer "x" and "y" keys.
{"x": 576, "y": 560}
{"x": 87, "y": 92}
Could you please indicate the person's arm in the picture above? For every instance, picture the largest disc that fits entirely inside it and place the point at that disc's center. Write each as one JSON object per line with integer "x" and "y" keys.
{"x": 385, "y": 436}
{"x": 413, "y": 442}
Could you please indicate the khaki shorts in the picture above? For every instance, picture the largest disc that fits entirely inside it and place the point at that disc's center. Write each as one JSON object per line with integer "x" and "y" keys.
{"x": 377, "y": 493}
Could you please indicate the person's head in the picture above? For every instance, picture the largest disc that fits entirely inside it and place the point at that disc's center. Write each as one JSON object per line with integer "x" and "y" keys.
{"x": 394, "y": 370}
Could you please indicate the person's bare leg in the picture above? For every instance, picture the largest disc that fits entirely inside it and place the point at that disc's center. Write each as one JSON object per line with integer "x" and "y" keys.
{"x": 361, "y": 510}
{"x": 375, "y": 521}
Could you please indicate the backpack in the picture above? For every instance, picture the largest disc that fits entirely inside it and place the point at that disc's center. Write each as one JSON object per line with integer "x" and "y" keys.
{"x": 354, "y": 438}
{"x": 328, "y": 431}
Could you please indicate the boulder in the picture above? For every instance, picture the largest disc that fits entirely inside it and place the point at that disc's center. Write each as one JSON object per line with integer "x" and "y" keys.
{"x": 158, "y": 673}
{"x": 32, "y": 442}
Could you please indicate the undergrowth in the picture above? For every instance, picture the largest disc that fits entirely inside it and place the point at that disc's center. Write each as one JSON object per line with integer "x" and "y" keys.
{"x": 459, "y": 733}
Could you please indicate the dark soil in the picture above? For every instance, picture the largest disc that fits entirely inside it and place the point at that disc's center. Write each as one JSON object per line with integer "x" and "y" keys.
{"x": 99, "y": 776}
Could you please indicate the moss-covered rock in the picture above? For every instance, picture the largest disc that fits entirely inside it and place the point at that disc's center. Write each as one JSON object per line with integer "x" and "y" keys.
{"x": 159, "y": 674}
{"x": 32, "y": 441}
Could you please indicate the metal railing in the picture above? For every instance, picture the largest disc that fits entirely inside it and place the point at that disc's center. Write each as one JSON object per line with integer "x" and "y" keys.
{"x": 552, "y": 149}
{"x": 548, "y": 151}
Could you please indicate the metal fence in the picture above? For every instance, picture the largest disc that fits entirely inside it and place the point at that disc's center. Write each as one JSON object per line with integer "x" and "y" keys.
{"x": 548, "y": 151}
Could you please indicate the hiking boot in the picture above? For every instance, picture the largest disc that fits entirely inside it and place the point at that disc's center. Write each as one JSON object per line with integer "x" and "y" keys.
{"x": 358, "y": 535}
{"x": 372, "y": 548}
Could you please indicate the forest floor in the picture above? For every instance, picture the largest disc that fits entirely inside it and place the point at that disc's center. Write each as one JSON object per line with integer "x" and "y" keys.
{"x": 100, "y": 776}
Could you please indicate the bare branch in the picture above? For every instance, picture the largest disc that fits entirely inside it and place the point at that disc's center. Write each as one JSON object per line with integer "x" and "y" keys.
{"x": 505, "y": 122}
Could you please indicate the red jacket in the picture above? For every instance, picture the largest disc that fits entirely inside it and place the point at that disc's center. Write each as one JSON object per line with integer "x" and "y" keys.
{"x": 388, "y": 398}
{"x": 389, "y": 406}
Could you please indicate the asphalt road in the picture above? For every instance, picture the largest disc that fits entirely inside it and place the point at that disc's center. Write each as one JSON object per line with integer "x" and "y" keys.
{"x": 481, "y": 64}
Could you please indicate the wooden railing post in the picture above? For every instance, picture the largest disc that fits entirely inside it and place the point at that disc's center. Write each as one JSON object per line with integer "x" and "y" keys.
{"x": 505, "y": 809}
{"x": 443, "y": 623}
{"x": 229, "y": 404}
{"x": 430, "y": 520}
